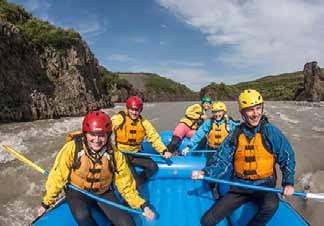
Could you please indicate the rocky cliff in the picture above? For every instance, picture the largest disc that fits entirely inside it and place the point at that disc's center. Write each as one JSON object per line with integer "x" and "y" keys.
{"x": 313, "y": 89}
{"x": 41, "y": 80}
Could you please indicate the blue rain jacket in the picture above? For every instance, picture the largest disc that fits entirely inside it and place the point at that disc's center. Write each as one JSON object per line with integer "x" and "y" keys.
{"x": 205, "y": 128}
{"x": 222, "y": 162}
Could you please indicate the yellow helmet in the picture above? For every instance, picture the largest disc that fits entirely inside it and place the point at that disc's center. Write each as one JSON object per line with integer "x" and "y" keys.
{"x": 249, "y": 98}
{"x": 219, "y": 106}
{"x": 194, "y": 111}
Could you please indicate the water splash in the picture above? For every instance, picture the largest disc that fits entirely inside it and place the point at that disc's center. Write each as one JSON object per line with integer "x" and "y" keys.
{"x": 318, "y": 129}
{"x": 17, "y": 213}
{"x": 284, "y": 117}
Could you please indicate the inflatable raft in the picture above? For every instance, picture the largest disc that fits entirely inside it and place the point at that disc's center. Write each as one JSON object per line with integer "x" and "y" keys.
{"x": 177, "y": 200}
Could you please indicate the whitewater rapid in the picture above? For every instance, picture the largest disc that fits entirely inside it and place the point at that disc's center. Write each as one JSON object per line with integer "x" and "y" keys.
{"x": 21, "y": 187}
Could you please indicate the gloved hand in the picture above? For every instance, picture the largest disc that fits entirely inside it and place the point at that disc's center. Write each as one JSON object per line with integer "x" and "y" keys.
{"x": 185, "y": 151}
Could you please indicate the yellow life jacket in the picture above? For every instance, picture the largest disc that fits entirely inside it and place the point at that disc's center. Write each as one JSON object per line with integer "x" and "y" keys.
{"x": 217, "y": 134}
{"x": 130, "y": 132}
{"x": 252, "y": 159}
{"x": 191, "y": 123}
{"x": 193, "y": 117}
{"x": 88, "y": 173}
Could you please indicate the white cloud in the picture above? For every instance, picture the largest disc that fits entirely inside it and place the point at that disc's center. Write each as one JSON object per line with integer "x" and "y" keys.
{"x": 274, "y": 36}
{"x": 194, "y": 78}
{"x": 183, "y": 63}
{"x": 90, "y": 25}
{"x": 91, "y": 28}
{"x": 121, "y": 58}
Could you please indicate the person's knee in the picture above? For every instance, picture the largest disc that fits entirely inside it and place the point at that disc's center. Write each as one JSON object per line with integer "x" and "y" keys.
{"x": 210, "y": 218}
{"x": 207, "y": 221}
{"x": 83, "y": 218}
{"x": 271, "y": 205}
{"x": 125, "y": 221}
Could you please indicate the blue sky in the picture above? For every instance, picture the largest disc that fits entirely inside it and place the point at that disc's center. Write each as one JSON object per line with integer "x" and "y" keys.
{"x": 194, "y": 42}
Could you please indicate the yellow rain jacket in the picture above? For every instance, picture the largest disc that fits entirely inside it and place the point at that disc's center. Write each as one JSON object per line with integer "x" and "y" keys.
{"x": 127, "y": 129}
{"x": 59, "y": 176}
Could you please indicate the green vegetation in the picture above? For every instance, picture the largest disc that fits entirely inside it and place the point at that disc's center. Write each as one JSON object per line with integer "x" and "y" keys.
{"x": 280, "y": 87}
{"x": 111, "y": 81}
{"x": 158, "y": 84}
{"x": 221, "y": 91}
{"x": 41, "y": 33}
{"x": 13, "y": 13}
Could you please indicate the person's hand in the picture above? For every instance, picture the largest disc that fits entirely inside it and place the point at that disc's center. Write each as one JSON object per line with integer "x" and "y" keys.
{"x": 288, "y": 191}
{"x": 185, "y": 151}
{"x": 197, "y": 174}
{"x": 204, "y": 117}
{"x": 167, "y": 154}
{"x": 41, "y": 210}
{"x": 148, "y": 213}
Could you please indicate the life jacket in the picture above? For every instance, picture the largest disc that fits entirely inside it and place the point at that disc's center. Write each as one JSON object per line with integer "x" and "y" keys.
{"x": 193, "y": 117}
{"x": 253, "y": 159}
{"x": 130, "y": 132}
{"x": 191, "y": 123}
{"x": 217, "y": 134}
{"x": 89, "y": 173}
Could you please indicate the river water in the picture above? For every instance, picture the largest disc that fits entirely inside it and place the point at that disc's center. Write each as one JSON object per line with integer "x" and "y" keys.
{"x": 22, "y": 187}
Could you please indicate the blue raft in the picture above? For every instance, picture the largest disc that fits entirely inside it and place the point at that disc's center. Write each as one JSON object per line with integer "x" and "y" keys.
{"x": 178, "y": 200}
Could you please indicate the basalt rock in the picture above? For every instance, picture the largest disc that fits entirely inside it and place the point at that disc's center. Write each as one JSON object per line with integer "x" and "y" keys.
{"x": 313, "y": 83}
{"x": 43, "y": 82}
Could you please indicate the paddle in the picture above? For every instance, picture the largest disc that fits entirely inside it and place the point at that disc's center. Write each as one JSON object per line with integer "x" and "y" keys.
{"x": 168, "y": 161}
{"x": 319, "y": 196}
{"x": 203, "y": 151}
{"x": 44, "y": 172}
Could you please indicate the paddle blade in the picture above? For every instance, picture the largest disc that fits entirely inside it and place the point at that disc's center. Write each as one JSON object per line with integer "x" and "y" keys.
{"x": 318, "y": 196}
{"x": 22, "y": 158}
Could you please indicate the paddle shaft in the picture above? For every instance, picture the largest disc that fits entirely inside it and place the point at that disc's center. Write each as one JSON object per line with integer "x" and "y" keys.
{"x": 203, "y": 151}
{"x": 44, "y": 172}
{"x": 142, "y": 154}
{"x": 250, "y": 186}
{"x": 168, "y": 161}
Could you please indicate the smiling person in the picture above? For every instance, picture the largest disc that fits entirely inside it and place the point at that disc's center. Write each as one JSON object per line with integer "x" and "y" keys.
{"x": 217, "y": 129}
{"x": 130, "y": 130}
{"x": 88, "y": 162}
{"x": 253, "y": 149}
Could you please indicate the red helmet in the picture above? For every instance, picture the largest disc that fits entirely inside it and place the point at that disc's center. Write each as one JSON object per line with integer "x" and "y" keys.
{"x": 96, "y": 121}
{"x": 134, "y": 102}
